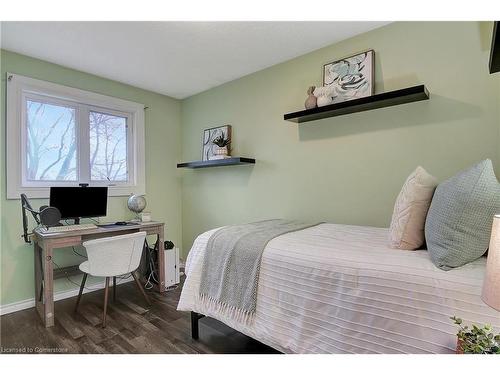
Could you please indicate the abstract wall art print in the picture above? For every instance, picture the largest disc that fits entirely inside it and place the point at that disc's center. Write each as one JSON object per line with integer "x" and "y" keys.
{"x": 208, "y": 137}
{"x": 351, "y": 77}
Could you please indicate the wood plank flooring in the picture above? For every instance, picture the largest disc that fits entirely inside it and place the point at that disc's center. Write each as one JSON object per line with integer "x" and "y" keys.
{"x": 132, "y": 327}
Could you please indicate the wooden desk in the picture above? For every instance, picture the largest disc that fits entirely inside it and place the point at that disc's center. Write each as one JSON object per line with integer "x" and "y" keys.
{"x": 45, "y": 243}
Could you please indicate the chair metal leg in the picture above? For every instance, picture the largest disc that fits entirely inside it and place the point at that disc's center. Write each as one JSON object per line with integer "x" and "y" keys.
{"x": 140, "y": 288}
{"x": 40, "y": 298}
{"x": 84, "y": 279}
{"x": 114, "y": 288}
{"x": 106, "y": 289}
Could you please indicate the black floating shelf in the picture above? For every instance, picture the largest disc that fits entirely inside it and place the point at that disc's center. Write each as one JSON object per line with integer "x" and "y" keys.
{"x": 495, "y": 49}
{"x": 216, "y": 163}
{"x": 385, "y": 99}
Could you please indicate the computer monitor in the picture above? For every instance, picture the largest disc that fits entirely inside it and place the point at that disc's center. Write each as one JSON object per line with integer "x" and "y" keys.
{"x": 77, "y": 202}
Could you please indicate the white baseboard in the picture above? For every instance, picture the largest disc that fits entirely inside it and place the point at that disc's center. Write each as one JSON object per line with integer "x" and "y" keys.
{"x": 29, "y": 303}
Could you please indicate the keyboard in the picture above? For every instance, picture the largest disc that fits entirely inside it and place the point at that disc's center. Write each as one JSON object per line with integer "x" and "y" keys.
{"x": 68, "y": 228}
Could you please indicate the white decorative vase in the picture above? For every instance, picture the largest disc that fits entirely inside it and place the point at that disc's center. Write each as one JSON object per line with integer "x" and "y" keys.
{"x": 324, "y": 100}
{"x": 221, "y": 151}
{"x": 324, "y": 95}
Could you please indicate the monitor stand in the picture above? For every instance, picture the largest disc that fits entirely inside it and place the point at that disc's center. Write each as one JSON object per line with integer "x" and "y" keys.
{"x": 76, "y": 220}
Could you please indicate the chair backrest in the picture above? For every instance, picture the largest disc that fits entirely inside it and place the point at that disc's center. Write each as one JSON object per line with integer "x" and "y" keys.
{"x": 113, "y": 256}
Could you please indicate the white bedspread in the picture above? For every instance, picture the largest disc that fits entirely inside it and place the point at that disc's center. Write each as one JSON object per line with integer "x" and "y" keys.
{"x": 341, "y": 289}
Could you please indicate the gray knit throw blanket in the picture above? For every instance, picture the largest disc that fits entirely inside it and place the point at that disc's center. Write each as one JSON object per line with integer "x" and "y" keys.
{"x": 231, "y": 265}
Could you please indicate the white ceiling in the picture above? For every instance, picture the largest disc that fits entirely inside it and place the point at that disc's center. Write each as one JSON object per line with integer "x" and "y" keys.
{"x": 178, "y": 59}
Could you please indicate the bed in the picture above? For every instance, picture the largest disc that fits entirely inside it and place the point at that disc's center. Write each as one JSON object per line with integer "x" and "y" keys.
{"x": 340, "y": 289}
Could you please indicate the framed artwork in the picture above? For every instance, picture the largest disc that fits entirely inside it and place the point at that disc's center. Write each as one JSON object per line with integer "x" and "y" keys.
{"x": 208, "y": 137}
{"x": 351, "y": 77}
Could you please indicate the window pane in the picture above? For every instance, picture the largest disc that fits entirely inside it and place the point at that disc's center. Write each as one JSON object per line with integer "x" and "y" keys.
{"x": 50, "y": 142}
{"x": 108, "y": 147}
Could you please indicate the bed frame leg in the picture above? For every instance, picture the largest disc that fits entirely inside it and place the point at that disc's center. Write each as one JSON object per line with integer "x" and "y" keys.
{"x": 194, "y": 324}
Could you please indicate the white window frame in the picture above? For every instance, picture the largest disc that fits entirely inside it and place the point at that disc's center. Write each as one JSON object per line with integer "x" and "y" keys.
{"x": 20, "y": 88}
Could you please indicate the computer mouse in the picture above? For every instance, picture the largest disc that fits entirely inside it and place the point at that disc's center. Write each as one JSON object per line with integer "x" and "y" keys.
{"x": 121, "y": 223}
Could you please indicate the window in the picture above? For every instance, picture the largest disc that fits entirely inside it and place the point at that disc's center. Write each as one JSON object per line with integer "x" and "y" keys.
{"x": 50, "y": 142}
{"x": 61, "y": 136}
{"x": 108, "y": 147}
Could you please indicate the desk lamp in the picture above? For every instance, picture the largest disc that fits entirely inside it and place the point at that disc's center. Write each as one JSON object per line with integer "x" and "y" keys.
{"x": 491, "y": 286}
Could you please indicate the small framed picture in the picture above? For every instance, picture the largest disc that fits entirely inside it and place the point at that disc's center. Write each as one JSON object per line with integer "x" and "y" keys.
{"x": 209, "y": 135}
{"x": 352, "y": 77}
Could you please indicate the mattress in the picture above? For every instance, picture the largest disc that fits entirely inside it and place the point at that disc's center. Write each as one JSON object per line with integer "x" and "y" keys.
{"x": 340, "y": 289}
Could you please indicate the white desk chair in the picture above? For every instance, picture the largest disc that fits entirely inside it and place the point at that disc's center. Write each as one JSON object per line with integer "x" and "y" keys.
{"x": 111, "y": 257}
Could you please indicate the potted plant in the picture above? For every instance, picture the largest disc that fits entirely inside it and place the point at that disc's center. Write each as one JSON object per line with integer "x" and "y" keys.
{"x": 222, "y": 145}
{"x": 476, "y": 340}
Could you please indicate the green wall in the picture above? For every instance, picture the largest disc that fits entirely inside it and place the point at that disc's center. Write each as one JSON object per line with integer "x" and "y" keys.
{"x": 163, "y": 183}
{"x": 345, "y": 169}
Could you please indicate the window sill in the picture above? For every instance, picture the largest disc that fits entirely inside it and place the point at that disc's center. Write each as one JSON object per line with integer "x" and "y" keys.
{"x": 44, "y": 192}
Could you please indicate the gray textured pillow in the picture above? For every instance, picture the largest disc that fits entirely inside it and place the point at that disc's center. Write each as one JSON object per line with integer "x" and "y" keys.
{"x": 458, "y": 224}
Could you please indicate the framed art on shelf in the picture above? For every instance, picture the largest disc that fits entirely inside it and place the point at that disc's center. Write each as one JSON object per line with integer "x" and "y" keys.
{"x": 210, "y": 149}
{"x": 352, "y": 77}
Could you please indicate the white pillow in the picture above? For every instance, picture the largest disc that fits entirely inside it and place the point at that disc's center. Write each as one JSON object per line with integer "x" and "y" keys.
{"x": 408, "y": 219}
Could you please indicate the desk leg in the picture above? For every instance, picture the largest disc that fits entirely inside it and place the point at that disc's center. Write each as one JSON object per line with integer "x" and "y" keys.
{"x": 48, "y": 289}
{"x": 161, "y": 262}
{"x": 37, "y": 250}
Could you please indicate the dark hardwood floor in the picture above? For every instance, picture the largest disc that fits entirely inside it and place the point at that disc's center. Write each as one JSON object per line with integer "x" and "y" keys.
{"x": 132, "y": 327}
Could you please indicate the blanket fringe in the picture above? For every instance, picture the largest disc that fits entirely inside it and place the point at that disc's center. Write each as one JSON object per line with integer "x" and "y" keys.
{"x": 216, "y": 309}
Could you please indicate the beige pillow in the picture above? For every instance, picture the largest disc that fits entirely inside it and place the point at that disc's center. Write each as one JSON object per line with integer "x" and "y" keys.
{"x": 408, "y": 219}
